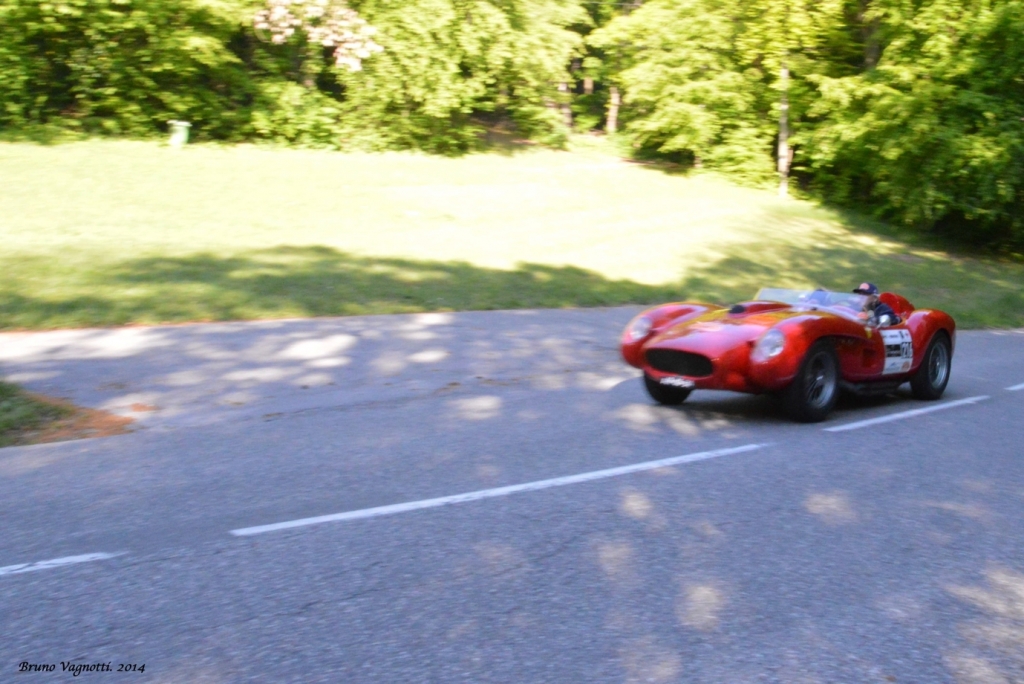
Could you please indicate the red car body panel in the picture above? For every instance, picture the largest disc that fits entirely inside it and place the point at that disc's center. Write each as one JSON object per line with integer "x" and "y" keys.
{"x": 727, "y": 337}
{"x": 661, "y": 317}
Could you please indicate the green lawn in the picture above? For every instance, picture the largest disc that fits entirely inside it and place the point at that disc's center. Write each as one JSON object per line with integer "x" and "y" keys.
{"x": 106, "y": 233}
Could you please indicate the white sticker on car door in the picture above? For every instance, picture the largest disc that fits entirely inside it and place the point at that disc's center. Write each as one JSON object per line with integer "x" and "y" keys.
{"x": 899, "y": 351}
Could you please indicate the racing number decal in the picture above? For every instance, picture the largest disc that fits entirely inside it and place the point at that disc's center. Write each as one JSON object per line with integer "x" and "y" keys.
{"x": 899, "y": 351}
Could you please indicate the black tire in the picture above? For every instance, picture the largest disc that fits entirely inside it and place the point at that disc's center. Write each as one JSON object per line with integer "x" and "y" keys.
{"x": 812, "y": 394}
{"x": 929, "y": 380}
{"x": 664, "y": 394}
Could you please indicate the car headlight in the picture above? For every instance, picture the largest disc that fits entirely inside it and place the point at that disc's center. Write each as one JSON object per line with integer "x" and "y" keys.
{"x": 639, "y": 328}
{"x": 769, "y": 346}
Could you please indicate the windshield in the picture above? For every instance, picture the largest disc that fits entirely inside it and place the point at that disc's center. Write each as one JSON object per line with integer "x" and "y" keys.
{"x": 847, "y": 300}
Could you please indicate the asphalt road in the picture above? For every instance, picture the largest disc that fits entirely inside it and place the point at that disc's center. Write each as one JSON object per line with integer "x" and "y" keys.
{"x": 775, "y": 552}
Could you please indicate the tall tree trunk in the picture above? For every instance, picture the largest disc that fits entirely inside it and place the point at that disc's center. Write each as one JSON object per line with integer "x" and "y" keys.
{"x": 563, "y": 88}
{"x": 869, "y": 35}
{"x": 784, "y": 154}
{"x": 305, "y": 69}
{"x": 613, "y": 111}
{"x": 872, "y": 50}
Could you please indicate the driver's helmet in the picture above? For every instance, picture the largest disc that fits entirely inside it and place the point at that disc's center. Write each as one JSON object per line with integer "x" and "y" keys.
{"x": 866, "y": 289}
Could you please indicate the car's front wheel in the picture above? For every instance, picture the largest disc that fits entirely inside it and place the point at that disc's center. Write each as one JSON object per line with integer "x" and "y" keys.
{"x": 813, "y": 393}
{"x": 665, "y": 394}
{"x": 930, "y": 379}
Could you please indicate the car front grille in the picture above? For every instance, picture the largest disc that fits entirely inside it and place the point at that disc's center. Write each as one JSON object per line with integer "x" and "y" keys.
{"x": 679, "y": 362}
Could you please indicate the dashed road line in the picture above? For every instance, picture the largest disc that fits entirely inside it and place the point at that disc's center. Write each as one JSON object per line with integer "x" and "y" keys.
{"x": 905, "y": 414}
{"x": 56, "y": 563}
{"x": 1016, "y": 388}
{"x": 496, "y": 492}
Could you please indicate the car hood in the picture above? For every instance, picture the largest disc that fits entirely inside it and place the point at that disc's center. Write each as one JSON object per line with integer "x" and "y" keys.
{"x": 717, "y": 332}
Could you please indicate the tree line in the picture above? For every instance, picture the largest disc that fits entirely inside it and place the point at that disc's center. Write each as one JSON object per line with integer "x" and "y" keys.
{"x": 910, "y": 109}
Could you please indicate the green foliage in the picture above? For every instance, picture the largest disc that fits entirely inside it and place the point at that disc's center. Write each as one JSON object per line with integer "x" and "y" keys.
{"x": 687, "y": 89}
{"x": 444, "y": 60}
{"x": 595, "y": 64}
{"x": 934, "y": 136}
{"x": 121, "y": 66}
{"x": 913, "y": 109}
{"x": 128, "y": 66}
{"x": 291, "y": 113}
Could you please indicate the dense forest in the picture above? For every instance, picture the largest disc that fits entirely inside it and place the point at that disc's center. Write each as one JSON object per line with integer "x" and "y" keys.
{"x": 909, "y": 109}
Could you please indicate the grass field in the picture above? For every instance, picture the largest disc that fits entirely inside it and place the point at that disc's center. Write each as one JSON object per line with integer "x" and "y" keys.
{"x": 107, "y": 233}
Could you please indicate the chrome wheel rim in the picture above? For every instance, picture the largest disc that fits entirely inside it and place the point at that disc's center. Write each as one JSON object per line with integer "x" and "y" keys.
{"x": 821, "y": 385}
{"x": 938, "y": 365}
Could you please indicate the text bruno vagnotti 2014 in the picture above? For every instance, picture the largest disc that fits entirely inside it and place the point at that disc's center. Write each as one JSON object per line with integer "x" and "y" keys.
{"x": 75, "y": 669}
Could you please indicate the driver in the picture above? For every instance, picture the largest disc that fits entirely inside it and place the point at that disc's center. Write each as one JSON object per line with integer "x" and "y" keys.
{"x": 876, "y": 309}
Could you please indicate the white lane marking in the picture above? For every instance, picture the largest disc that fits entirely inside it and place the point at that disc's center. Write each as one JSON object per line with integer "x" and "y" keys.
{"x": 498, "y": 491}
{"x": 56, "y": 563}
{"x": 905, "y": 414}
{"x": 1016, "y": 388}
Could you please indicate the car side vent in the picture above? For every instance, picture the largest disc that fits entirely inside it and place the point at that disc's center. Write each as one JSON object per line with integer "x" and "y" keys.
{"x": 679, "y": 362}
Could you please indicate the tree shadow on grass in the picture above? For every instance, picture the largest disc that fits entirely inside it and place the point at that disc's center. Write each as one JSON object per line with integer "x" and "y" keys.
{"x": 976, "y": 292}
{"x": 292, "y": 281}
{"x": 958, "y": 236}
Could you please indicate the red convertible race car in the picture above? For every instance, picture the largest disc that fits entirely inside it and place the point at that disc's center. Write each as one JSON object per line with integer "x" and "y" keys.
{"x": 803, "y": 345}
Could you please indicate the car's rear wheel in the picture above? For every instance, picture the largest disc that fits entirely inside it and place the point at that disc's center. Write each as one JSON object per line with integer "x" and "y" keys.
{"x": 665, "y": 394}
{"x": 930, "y": 379}
{"x": 812, "y": 394}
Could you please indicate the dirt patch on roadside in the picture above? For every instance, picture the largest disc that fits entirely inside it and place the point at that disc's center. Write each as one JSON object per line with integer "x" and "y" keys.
{"x": 75, "y": 422}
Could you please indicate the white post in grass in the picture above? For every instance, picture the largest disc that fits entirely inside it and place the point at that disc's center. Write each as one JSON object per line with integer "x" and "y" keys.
{"x": 179, "y": 133}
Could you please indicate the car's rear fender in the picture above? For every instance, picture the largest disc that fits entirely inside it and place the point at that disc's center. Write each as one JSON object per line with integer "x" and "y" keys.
{"x": 661, "y": 317}
{"x": 901, "y": 305}
{"x": 923, "y": 325}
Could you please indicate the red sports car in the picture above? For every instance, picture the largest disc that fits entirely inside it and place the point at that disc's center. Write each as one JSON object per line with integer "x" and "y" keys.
{"x": 803, "y": 345}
